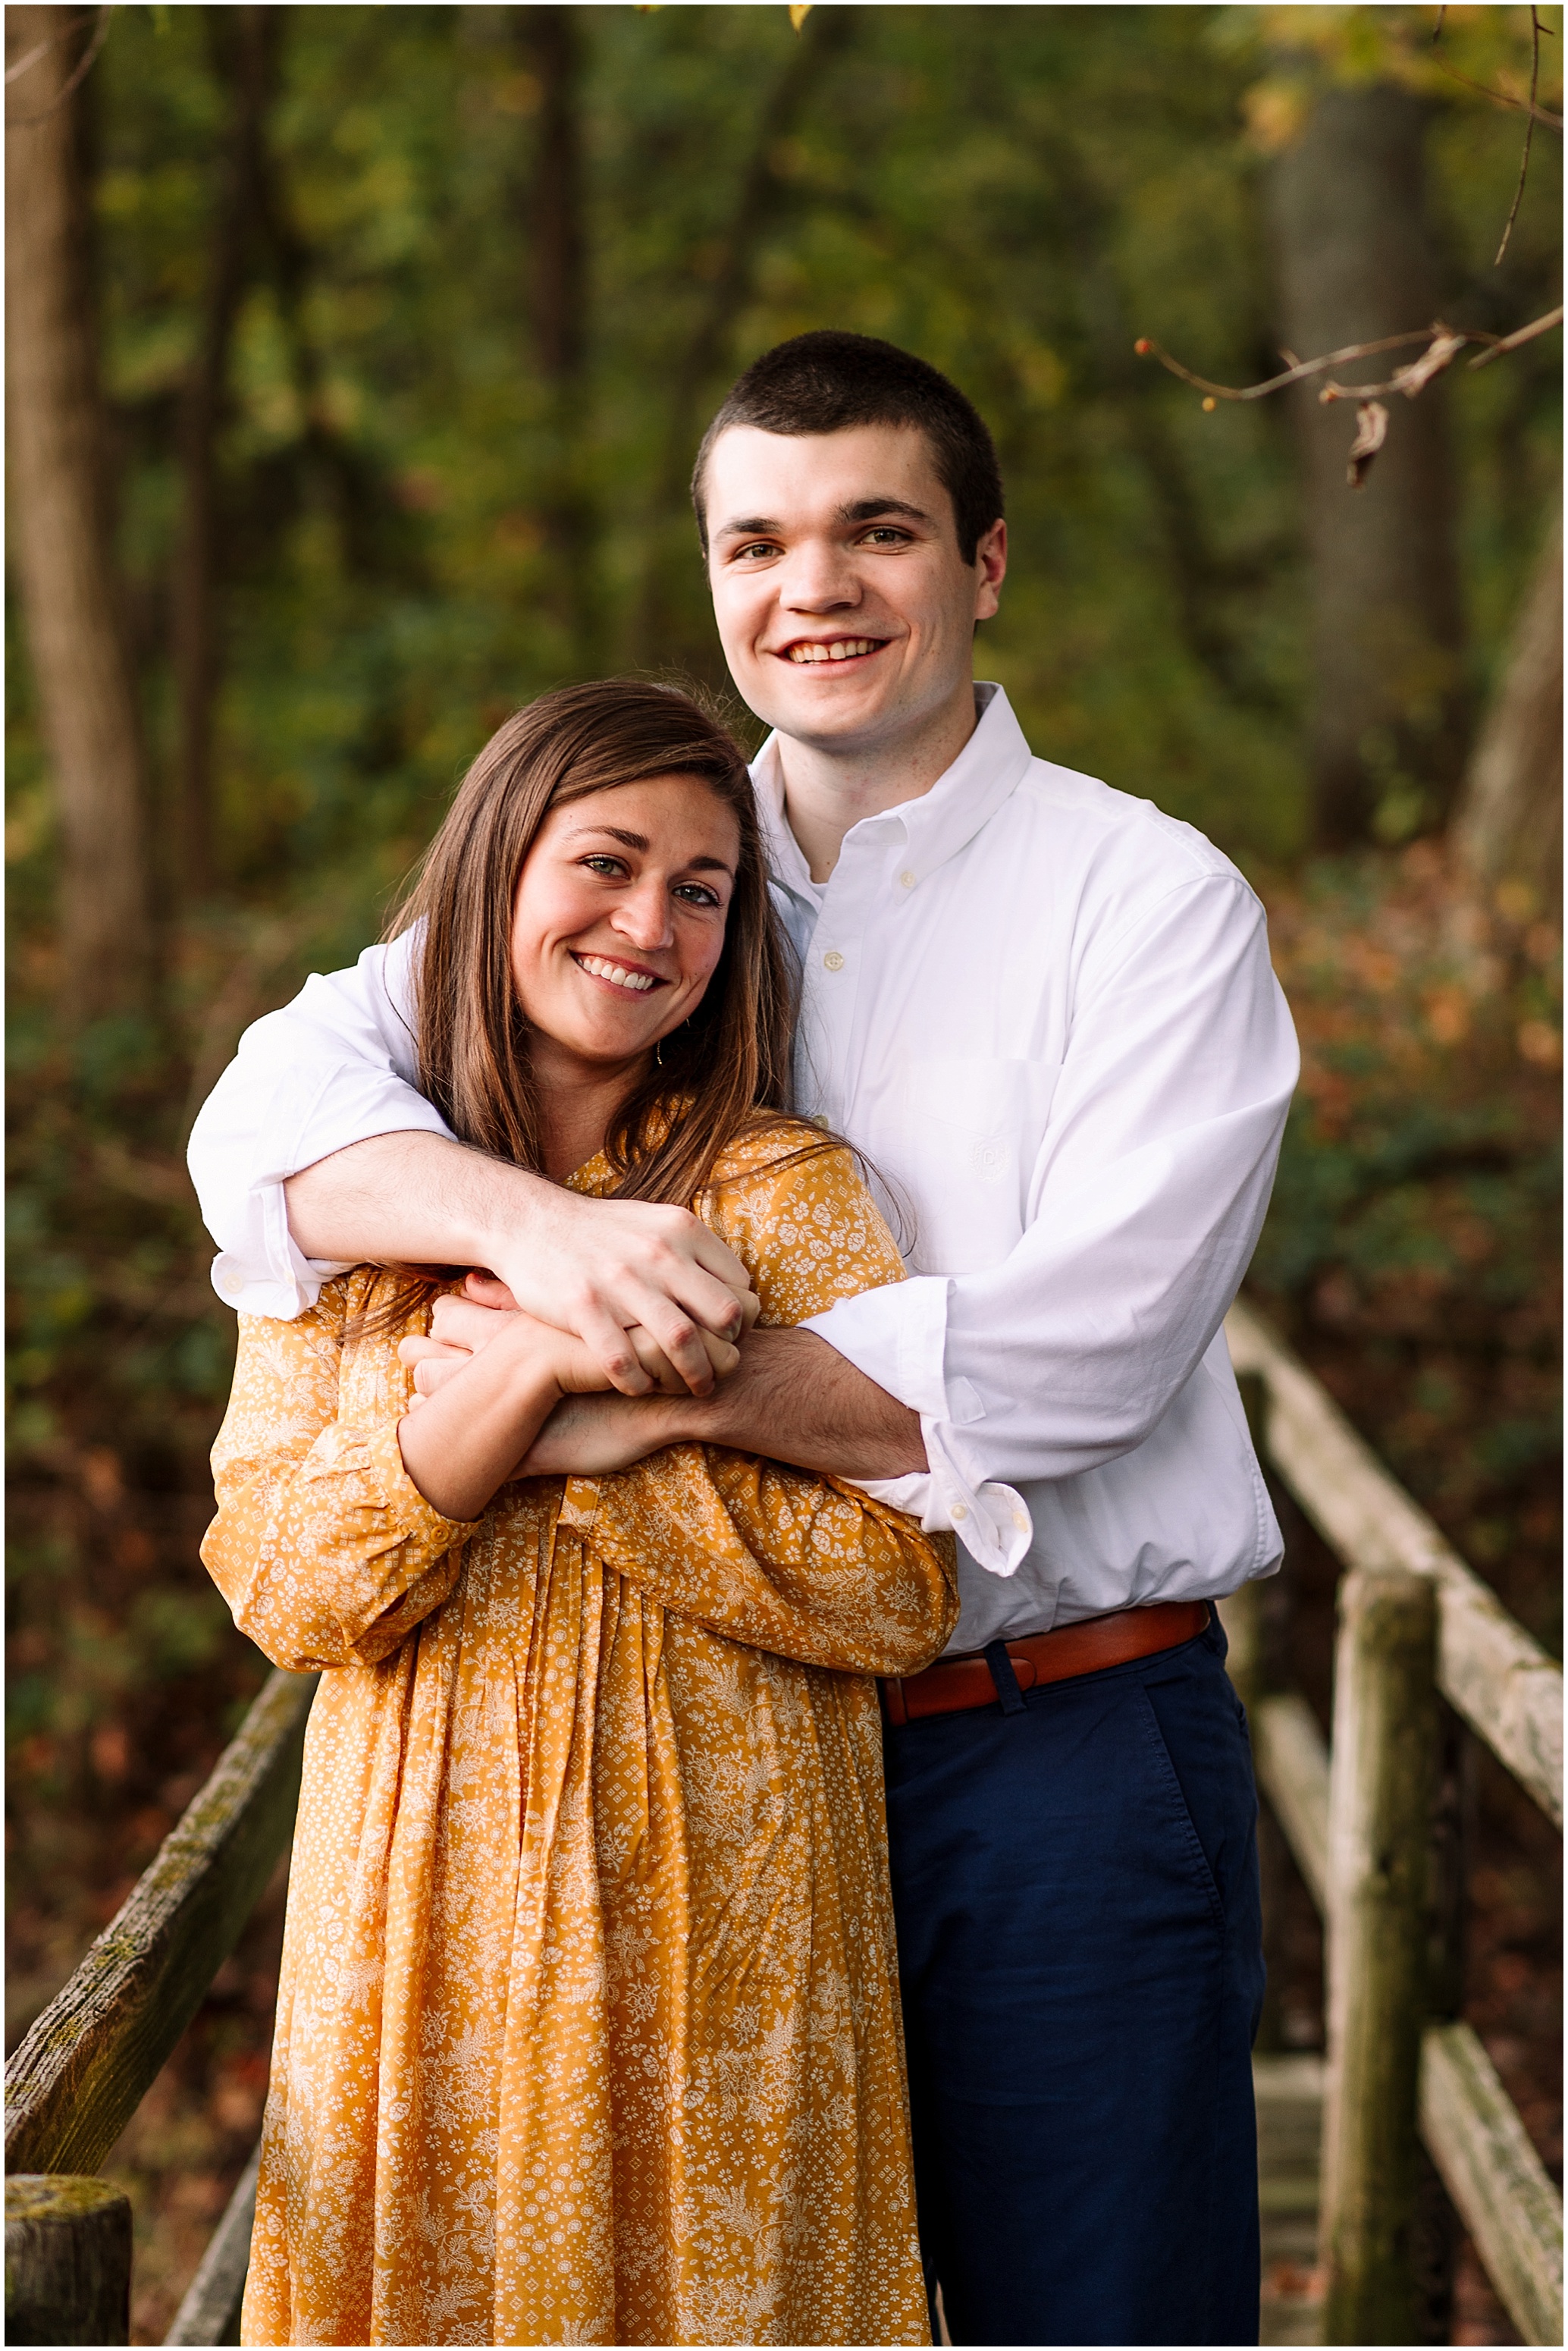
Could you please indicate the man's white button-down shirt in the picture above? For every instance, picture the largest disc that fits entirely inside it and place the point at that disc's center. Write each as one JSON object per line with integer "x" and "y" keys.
{"x": 1046, "y": 1013}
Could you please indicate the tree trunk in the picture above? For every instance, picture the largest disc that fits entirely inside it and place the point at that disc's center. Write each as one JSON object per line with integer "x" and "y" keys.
{"x": 1510, "y": 824}
{"x": 1354, "y": 262}
{"x": 551, "y": 38}
{"x": 70, "y": 591}
{"x": 672, "y": 535}
{"x": 240, "y": 40}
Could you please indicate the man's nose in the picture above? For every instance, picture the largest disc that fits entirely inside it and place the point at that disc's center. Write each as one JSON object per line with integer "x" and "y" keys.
{"x": 819, "y": 578}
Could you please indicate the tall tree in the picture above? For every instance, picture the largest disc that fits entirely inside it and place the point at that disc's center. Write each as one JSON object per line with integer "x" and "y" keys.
{"x": 1355, "y": 262}
{"x": 551, "y": 40}
{"x": 758, "y": 200}
{"x": 70, "y": 592}
{"x": 1509, "y": 821}
{"x": 242, "y": 42}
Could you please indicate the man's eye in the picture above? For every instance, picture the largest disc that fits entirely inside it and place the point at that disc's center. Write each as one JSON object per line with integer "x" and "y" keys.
{"x": 757, "y": 547}
{"x": 888, "y": 535}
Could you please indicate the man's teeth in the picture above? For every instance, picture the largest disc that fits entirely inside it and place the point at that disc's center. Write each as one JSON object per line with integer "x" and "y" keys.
{"x": 638, "y": 981}
{"x": 842, "y": 649}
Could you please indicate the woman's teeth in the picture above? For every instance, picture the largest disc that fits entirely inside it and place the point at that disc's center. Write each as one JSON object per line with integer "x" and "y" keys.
{"x": 843, "y": 649}
{"x": 639, "y": 982}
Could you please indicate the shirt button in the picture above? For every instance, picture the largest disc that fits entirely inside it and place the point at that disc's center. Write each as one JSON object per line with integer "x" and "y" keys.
{"x": 834, "y": 960}
{"x": 907, "y": 880}
{"x": 960, "y": 1512}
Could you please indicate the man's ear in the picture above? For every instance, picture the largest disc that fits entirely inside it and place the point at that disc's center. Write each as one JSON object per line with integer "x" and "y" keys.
{"x": 990, "y": 571}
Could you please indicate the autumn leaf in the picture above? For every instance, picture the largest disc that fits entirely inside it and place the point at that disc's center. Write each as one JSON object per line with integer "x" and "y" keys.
{"x": 1370, "y": 432}
{"x": 797, "y": 16}
{"x": 1432, "y": 362}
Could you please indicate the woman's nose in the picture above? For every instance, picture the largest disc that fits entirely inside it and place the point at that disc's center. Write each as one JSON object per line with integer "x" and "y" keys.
{"x": 643, "y": 918}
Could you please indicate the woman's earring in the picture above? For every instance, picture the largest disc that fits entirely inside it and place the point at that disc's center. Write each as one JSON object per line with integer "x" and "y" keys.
{"x": 659, "y": 1051}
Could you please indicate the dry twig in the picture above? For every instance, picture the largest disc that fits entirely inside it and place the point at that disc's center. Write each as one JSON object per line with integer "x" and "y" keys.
{"x": 26, "y": 122}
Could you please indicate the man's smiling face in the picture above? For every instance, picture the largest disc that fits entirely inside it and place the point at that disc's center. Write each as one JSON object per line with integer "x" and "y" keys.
{"x": 846, "y": 611}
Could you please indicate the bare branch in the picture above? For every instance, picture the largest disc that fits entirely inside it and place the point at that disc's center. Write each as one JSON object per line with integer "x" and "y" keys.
{"x": 1443, "y": 343}
{"x": 1297, "y": 373}
{"x": 1541, "y": 326}
{"x": 27, "y": 122}
{"x": 41, "y": 49}
{"x": 1529, "y": 135}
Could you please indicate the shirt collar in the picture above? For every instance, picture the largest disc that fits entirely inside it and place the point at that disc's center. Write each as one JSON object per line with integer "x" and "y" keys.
{"x": 987, "y": 771}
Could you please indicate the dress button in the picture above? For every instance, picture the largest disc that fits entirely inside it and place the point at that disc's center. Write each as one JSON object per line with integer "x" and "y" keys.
{"x": 907, "y": 880}
{"x": 834, "y": 960}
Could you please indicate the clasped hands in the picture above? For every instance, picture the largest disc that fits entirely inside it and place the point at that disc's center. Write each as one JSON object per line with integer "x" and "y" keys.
{"x": 593, "y": 1430}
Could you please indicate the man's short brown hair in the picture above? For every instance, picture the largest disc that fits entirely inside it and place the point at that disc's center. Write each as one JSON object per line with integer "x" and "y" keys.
{"x": 828, "y": 381}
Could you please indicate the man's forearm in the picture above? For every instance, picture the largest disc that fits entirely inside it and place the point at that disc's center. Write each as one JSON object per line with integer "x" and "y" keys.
{"x": 409, "y": 1199}
{"x": 791, "y": 1399}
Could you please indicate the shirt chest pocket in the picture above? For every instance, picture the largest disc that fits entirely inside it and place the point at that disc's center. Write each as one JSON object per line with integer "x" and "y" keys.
{"x": 971, "y": 1131}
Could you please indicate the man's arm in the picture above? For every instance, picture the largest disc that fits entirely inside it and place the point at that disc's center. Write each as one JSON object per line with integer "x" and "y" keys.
{"x": 594, "y": 1268}
{"x": 791, "y": 1399}
{"x": 316, "y": 1125}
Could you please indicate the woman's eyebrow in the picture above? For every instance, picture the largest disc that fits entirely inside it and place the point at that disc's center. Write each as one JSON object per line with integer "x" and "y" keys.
{"x": 639, "y": 840}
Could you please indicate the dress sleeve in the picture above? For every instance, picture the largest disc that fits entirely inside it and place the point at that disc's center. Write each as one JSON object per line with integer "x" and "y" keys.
{"x": 323, "y": 1546}
{"x": 808, "y": 1567}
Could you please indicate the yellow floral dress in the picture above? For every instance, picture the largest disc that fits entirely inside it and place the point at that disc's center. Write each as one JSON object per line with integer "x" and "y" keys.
{"x": 588, "y": 2028}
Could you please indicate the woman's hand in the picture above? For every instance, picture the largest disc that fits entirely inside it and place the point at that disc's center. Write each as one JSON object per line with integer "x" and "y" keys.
{"x": 461, "y": 1329}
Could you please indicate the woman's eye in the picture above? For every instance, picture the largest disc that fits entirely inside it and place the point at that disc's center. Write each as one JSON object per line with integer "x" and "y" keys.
{"x": 696, "y": 893}
{"x": 611, "y": 865}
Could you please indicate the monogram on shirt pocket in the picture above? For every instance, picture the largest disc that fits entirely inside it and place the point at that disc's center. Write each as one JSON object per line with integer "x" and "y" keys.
{"x": 971, "y": 1131}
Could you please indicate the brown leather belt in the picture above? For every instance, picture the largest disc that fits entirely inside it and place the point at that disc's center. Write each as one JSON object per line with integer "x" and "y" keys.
{"x": 957, "y": 1684}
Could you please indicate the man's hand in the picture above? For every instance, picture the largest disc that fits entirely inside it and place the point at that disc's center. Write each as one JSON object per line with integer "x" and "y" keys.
{"x": 598, "y": 1269}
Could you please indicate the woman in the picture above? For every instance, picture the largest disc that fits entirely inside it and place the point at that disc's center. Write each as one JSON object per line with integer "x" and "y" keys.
{"x": 588, "y": 2028}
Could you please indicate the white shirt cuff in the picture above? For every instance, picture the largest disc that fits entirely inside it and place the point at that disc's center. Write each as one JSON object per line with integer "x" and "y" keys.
{"x": 991, "y": 1520}
{"x": 897, "y": 1336}
{"x": 312, "y": 1112}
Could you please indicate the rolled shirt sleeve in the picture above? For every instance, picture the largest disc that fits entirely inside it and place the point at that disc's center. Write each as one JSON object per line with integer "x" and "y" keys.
{"x": 1145, "y": 1202}
{"x": 335, "y": 1067}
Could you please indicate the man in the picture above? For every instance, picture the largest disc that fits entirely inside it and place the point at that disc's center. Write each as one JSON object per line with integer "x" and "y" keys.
{"x": 1045, "y": 1011}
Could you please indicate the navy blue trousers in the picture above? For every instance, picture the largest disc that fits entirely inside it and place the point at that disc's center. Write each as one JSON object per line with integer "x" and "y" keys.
{"x": 1080, "y": 1943}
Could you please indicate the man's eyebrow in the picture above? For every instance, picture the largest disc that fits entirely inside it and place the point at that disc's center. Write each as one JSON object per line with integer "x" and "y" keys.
{"x": 749, "y": 527}
{"x": 639, "y": 840}
{"x": 867, "y": 510}
{"x": 855, "y": 510}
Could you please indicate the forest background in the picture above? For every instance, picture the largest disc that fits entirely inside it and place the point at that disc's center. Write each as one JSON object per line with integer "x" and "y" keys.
{"x": 394, "y": 329}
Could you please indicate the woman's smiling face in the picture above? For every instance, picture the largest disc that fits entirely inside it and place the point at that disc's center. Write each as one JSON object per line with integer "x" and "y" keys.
{"x": 619, "y": 919}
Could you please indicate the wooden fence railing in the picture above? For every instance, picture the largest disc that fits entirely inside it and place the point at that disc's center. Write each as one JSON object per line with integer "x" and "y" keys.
{"x": 84, "y": 2068}
{"x": 1414, "y": 1622}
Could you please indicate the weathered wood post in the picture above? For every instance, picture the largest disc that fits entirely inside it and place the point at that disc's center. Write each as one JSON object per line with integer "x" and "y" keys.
{"x": 1384, "y": 1746}
{"x": 1250, "y": 1615}
{"x": 68, "y": 2260}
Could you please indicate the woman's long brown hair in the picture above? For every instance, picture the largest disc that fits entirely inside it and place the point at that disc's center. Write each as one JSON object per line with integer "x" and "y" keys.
{"x": 723, "y": 1074}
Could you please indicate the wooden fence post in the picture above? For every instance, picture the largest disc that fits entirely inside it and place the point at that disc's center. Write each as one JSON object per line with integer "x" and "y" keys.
{"x": 68, "y": 2260}
{"x": 1385, "y": 1738}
